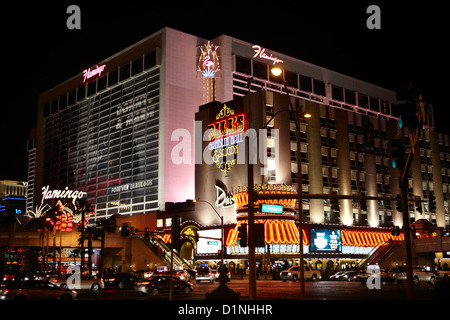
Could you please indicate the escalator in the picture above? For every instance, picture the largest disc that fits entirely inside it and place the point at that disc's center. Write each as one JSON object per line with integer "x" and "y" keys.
{"x": 162, "y": 250}
{"x": 380, "y": 254}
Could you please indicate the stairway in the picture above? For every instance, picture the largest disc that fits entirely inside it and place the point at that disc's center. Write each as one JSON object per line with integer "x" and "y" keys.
{"x": 162, "y": 250}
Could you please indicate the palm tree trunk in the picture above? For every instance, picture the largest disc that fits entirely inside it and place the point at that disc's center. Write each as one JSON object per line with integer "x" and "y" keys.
{"x": 90, "y": 255}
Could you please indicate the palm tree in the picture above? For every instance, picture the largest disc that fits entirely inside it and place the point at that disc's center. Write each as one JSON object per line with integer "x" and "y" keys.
{"x": 107, "y": 225}
{"x": 81, "y": 208}
{"x": 91, "y": 233}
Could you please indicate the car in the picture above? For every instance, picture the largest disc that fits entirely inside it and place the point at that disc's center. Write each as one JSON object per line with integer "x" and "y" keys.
{"x": 34, "y": 290}
{"x": 337, "y": 275}
{"x": 120, "y": 280}
{"x": 443, "y": 272}
{"x": 293, "y": 273}
{"x": 204, "y": 274}
{"x": 350, "y": 276}
{"x": 157, "y": 284}
{"x": 142, "y": 274}
{"x": 419, "y": 275}
{"x": 85, "y": 282}
{"x": 385, "y": 276}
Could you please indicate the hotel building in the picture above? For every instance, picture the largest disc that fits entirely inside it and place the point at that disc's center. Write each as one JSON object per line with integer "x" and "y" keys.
{"x": 124, "y": 131}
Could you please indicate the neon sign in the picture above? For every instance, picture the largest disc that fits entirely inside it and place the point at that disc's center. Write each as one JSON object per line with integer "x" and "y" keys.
{"x": 97, "y": 71}
{"x": 222, "y": 199}
{"x": 61, "y": 194}
{"x": 208, "y": 62}
{"x": 224, "y": 136}
{"x": 260, "y": 53}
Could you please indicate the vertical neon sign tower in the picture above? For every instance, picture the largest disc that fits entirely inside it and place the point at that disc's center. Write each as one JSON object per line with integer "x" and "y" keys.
{"x": 208, "y": 65}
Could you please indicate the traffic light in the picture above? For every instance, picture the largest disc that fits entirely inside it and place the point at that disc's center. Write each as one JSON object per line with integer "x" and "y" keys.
{"x": 258, "y": 236}
{"x": 395, "y": 230}
{"x": 418, "y": 204}
{"x": 175, "y": 228}
{"x": 125, "y": 231}
{"x": 413, "y": 231}
{"x": 146, "y": 234}
{"x": 398, "y": 200}
{"x": 447, "y": 231}
{"x": 242, "y": 235}
{"x": 363, "y": 203}
{"x": 334, "y": 203}
{"x": 408, "y": 116}
{"x": 397, "y": 153}
{"x": 431, "y": 202}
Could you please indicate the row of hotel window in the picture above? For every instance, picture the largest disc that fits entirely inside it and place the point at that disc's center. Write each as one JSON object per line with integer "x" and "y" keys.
{"x": 307, "y": 84}
{"x": 123, "y": 73}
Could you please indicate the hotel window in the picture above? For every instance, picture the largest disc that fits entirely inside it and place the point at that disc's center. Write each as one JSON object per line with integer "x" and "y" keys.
{"x": 305, "y": 83}
{"x": 374, "y": 105}
{"x": 113, "y": 78}
{"x": 337, "y": 93}
{"x": 319, "y": 87}
{"x": 150, "y": 60}
{"x": 363, "y": 101}
{"x": 350, "y": 96}
{"x": 243, "y": 65}
{"x": 136, "y": 66}
{"x": 260, "y": 70}
{"x": 124, "y": 72}
{"x": 291, "y": 79}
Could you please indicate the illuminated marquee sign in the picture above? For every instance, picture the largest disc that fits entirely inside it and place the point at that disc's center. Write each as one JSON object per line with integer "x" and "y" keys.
{"x": 261, "y": 53}
{"x": 208, "y": 62}
{"x": 225, "y": 135}
{"x": 97, "y": 71}
{"x": 325, "y": 240}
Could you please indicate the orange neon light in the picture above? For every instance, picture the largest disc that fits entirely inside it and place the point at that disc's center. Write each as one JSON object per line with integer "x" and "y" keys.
{"x": 241, "y": 199}
{"x": 366, "y": 238}
{"x": 275, "y": 232}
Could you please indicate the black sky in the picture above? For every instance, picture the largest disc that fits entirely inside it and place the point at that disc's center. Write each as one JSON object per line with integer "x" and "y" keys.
{"x": 41, "y": 52}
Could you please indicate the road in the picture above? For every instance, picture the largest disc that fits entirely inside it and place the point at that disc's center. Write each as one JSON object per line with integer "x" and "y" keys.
{"x": 278, "y": 290}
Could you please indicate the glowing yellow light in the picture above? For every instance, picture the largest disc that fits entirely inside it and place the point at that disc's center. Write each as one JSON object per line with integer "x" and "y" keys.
{"x": 276, "y": 71}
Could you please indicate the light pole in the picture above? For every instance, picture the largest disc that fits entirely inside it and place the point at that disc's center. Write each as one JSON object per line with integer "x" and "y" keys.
{"x": 221, "y": 227}
{"x": 277, "y": 72}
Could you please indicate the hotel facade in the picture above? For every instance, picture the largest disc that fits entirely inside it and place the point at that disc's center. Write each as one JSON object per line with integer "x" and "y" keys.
{"x": 136, "y": 131}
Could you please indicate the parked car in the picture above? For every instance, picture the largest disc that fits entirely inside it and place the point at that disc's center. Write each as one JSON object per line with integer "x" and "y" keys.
{"x": 204, "y": 274}
{"x": 419, "y": 275}
{"x": 443, "y": 272}
{"x": 120, "y": 280}
{"x": 86, "y": 282}
{"x": 157, "y": 284}
{"x": 34, "y": 290}
{"x": 293, "y": 273}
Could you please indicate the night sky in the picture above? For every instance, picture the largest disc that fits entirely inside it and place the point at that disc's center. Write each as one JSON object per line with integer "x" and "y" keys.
{"x": 41, "y": 52}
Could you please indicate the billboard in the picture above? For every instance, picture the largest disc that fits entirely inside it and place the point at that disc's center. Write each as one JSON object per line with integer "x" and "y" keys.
{"x": 209, "y": 241}
{"x": 326, "y": 240}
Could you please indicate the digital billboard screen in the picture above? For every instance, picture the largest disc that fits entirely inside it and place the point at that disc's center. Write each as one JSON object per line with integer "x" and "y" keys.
{"x": 326, "y": 240}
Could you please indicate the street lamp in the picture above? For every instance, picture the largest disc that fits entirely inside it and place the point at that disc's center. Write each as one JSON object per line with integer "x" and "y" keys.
{"x": 277, "y": 72}
{"x": 221, "y": 227}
